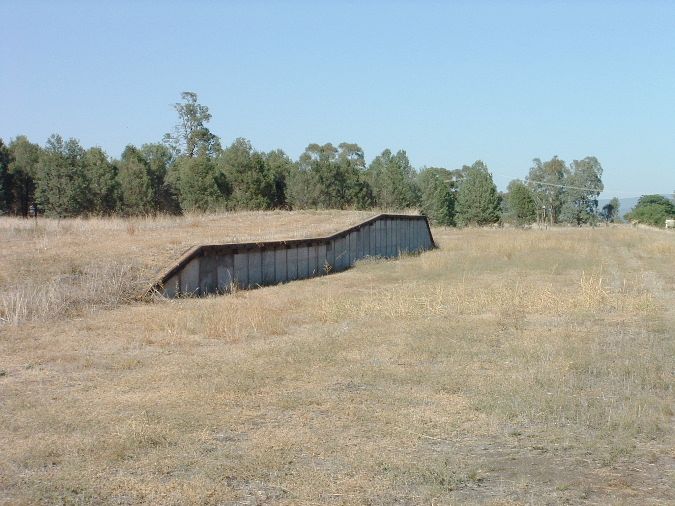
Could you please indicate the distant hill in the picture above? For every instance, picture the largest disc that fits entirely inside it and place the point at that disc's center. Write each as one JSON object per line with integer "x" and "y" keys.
{"x": 626, "y": 204}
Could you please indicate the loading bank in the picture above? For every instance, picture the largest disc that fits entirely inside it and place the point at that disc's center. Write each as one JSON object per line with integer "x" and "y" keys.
{"x": 219, "y": 268}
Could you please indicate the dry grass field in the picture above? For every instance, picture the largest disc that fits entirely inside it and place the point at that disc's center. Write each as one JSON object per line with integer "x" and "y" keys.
{"x": 60, "y": 268}
{"x": 505, "y": 367}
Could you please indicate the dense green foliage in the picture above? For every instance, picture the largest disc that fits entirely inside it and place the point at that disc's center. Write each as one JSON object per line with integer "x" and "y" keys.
{"x": 392, "y": 179}
{"x": 519, "y": 205}
{"x": 200, "y": 184}
{"x": 566, "y": 194}
{"x": 583, "y": 184}
{"x": 158, "y": 160}
{"x": 191, "y": 171}
{"x": 62, "y": 183}
{"x": 437, "y": 195}
{"x": 104, "y": 186}
{"x": 252, "y": 182}
{"x": 23, "y": 170}
{"x": 135, "y": 183}
{"x": 327, "y": 177}
{"x": 652, "y": 210}
{"x": 5, "y": 182}
{"x": 546, "y": 180}
{"x": 478, "y": 201}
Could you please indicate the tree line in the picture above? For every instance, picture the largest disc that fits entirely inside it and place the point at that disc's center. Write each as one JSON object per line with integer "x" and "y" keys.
{"x": 191, "y": 171}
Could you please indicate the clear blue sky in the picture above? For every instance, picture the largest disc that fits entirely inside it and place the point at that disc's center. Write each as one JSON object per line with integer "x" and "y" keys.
{"x": 449, "y": 82}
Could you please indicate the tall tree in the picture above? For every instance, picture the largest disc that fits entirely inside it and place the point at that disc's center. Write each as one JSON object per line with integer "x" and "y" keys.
{"x": 331, "y": 178}
{"x": 62, "y": 182}
{"x": 138, "y": 196}
{"x": 191, "y": 137}
{"x": 546, "y": 180}
{"x": 351, "y": 162}
{"x": 325, "y": 180}
{"x": 477, "y": 198}
{"x": 393, "y": 181}
{"x": 301, "y": 190}
{"x": 320, "y": 163}
{"x": 610, "y": 211}
{"x": 104, "y": 190}
{"x": 583, "y": 184}
{"x": 520, "y": 207}
{"x": 438, "y": 191}
{"x": 23, "y": 170}
{"x": 279, "y": 167}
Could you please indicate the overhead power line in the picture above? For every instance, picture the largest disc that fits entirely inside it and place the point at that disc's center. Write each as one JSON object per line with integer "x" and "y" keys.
{"x": 630, "y": 193}
{"x": 565, "y": 186}
{"x": 552, "y": 184}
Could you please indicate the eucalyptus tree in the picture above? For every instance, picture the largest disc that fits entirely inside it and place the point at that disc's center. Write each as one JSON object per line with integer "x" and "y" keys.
{"x": 300, "y": 189}
{"x": 329, "y": 178}
{"x": 582, "y": 186}
{"x": 307, "y": 183}
{"x": 546, "y": 180}
{"x": 392, "y": 178}
{"x": 318, "y": 167}
{"x": 356, "y": 192}
{"x": 191, "y": 137}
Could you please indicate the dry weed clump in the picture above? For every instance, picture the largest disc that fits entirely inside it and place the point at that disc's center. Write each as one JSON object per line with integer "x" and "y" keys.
{"x": 414, "y": 300}
{"x": 594, "y": 294}
{"x": 136, "y": 434}
{"x": 95, "y": 287}
{"x": 659, "y": 249}
{"x": 225, "y": 318}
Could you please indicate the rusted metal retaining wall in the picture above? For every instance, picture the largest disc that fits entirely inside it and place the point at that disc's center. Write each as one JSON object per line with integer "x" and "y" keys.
{"x": 218, "y": 268}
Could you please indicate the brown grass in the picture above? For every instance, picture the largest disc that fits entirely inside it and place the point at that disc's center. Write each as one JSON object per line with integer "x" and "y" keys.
{"x": 507, "y": 367}
{"x": 64, "y": 268}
